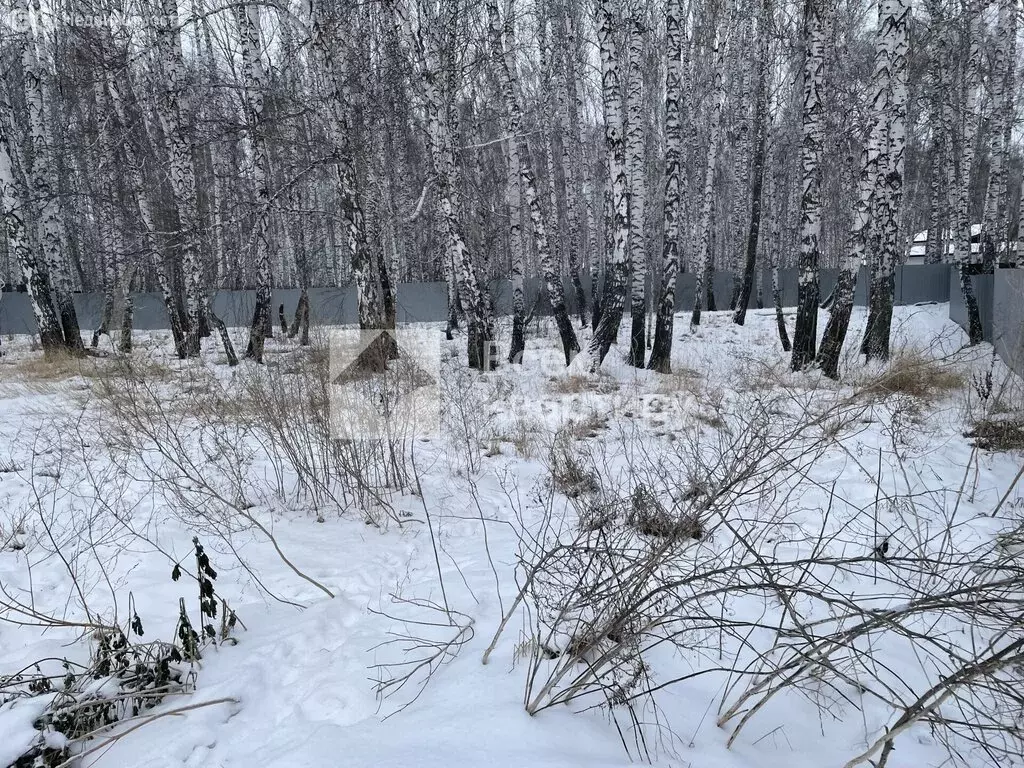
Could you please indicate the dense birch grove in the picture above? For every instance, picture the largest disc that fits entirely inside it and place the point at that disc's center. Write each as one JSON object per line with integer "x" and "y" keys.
{"x": 601, "y": 148}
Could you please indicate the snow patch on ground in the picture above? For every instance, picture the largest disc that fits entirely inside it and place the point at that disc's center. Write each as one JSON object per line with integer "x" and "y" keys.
{"x": 77, "y": 529}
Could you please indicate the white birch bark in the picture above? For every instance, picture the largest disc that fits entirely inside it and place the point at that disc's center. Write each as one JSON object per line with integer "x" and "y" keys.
{"x": 882, "y": 115}
{"x": 636, "y": 157}
{"x": 339, "y": 97}
{"x": 172, "y": 103}
{"x": 661, "y": 351}
{"x": 504, "y": 57}
{"x": 220, "y": 165}
{"x": 42, "y": 182}
{"x": 741, "y": 166}
{"x": 475, "y": 300}
{"x": 254, "y": 78}
{"x": 805, "y": 332}
{"x": 573, "y": 163}
{"x": 35, "y": 273}
{"x": 702, "y": 265}
{"x": 617, "y": 240}
{"x": 142, "y": 196}
{"x": 969, "y": 120}
{"x": 894, "y": 23}
{"x": 111, "y": 246}
{"x": 758, "y": 143}
{"x": 1001, "y": 99}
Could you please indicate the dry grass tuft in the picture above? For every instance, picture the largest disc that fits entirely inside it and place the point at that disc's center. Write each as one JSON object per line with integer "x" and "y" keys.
{"x": 682, "y": 379}
{"x": 524, "y": 436}
{"x": 55, "y": 366}
{"x": 587, "y": 425}
{"x": 998, "y": 434}
{"x": 568, "y": 472}
{"x": 911, "y": 373}
{"x": 574, "y": 385}
{"x": 649, "y": 517}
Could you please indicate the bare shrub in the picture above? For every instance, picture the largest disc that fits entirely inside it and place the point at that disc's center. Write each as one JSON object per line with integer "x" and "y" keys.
{"x": 196, "y": 453}
{"x": 606, "y": 591}
{"x": 73, "y": 705}
{"x": 468, "y": 411}
{"x": 672, "y": 537}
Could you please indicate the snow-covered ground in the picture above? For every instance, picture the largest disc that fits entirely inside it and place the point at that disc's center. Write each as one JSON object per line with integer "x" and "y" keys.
{"x": 779, "y": 467}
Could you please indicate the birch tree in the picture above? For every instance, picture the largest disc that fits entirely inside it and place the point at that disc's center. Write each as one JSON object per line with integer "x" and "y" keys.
{"x": 181, "y": 173}
{"x": 963, "y": 167}
{"x": 613, "y": 298}
{"x": 34, "y": 271}
{"x": 504, "y": 58}
{"x": 940, "y": 78}
{"x": 894, "y": 18}
{"x": 111, "y": 247}
{"x": 142, "y": 195}
{"x": 891, "y": 14}
{"x": 636, "y": 167}
{"x": 475, "y": 298}
{"x": 42, "y": 182}
{"x": 760, "y": 140}
{"x": 577, "y": 173}
{"x": 805, "y": 332}
{"x": 1001, "y": 98}
{"x": 702, "y": 264}
{"x": 339, "y": 96}
{"x": 661, "y": 351}
{"x": 254, "y": 77}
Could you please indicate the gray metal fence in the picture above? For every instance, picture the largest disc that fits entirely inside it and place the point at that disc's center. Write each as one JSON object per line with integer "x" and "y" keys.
{"x": 1006, "y": 311}
{"x": 999, "y": 297}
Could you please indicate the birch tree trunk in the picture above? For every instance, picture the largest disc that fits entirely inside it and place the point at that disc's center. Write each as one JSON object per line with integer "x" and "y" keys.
{"x": 886, "y": 55}
{"x": 1016, "y": 247}
{"x": 368, "y": 290}
{"x": 550, "y": 147}
{"x": 514, "y": 198}
{"x": 42, "y": 183}
{"x": 254, "y": 78}
{"x": 141, "y": 195}
{"x": 505, "y": 61}
{"x": 935, "y": 245}
{"x": 964, "y": 171}
{"x": 615, "y": 272}
{"x": 637, "y": 170}
{"x": 34, "y": 270}
{"x": 475, "y": 298}
{"x": 757, "y": 161}
{"x": 743, "y": 151}
{"x": 702, "y": 266}
{"x": 219, "y": 165}
{"x": 999, "y": 146}
{"x": 661, "y": 351}
{"x": 103, "y": 162}
{"x": 576, "y": 171}
{"x": 894, "y": 19}
{"x": 942, "y": 127}
{"x": 515, "y": 239}
{"x": 181, "y": 174}
{"x": 805, "y": 332}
